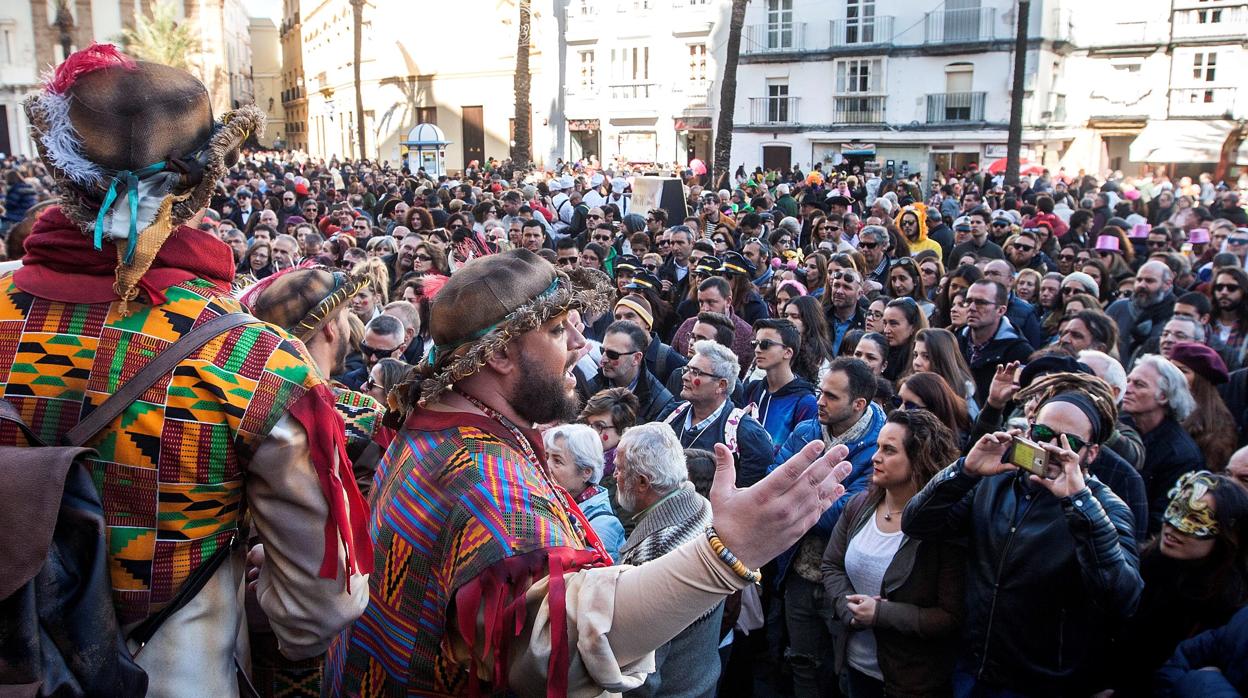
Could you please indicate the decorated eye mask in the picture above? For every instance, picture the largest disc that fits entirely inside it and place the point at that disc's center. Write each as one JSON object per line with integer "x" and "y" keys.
{"x": 1187, "y": 513}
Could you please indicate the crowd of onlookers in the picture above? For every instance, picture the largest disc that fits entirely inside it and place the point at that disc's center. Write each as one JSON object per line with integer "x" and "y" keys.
{"x": 929, "y": 329}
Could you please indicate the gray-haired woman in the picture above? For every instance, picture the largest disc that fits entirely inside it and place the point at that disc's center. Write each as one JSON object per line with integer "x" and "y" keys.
{"x": 574, "y": 455}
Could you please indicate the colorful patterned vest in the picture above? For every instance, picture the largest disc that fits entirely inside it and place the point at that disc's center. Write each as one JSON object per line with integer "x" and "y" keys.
{"x": 454, "y": 497}
{"x": 170, "y": 469}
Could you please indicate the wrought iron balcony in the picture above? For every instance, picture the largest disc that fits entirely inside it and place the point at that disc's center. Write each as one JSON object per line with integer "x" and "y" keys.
{"x": 1203, "y": 101}
{"x": 959, "y": 26}
{"x": 774, "y": 38}
{"x": 773, "y": 110}
{"x": 632, "y": 90}
{"x": 955, "y": 107}
{"x": 862, "y": 31}
{"x": 858, "y": 110}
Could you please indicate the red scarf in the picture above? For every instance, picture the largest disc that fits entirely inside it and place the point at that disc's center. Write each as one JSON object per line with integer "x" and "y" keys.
{"x": 61, "y": 264}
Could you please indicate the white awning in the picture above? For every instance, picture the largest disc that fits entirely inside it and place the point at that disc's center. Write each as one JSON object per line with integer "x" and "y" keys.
{"x": 1182, "y": 141}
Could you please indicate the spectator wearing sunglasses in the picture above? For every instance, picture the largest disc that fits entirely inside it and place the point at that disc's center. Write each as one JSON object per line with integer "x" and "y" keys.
{"x": 1052, "y": 563}
{"x": 783, "y": 399}
{"x": 1023, "y": 251}
{"x": 384, "y": 338}
{"x": 624, "y": 366}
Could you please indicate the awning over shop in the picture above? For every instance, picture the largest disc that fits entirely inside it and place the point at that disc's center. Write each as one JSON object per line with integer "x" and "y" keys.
{"x": 1183, "y": 140}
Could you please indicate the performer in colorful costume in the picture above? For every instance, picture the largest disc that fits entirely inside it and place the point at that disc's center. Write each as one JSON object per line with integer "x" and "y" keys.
{"x": 311, "y": 303}
{"x": 111, "y": 278}
{"x": 487, "y": 576}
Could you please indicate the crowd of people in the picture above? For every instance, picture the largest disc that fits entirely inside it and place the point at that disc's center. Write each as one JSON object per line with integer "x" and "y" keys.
{"x": 1035, "y": 397}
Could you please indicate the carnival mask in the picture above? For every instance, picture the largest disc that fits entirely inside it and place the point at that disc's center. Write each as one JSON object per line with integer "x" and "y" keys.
{"x": 1187, "y": 513}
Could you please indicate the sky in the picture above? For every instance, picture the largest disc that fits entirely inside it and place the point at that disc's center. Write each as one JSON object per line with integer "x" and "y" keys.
{"x": 266, "y": 8}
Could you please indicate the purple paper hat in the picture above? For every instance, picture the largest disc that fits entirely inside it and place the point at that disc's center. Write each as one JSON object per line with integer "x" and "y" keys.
{"x": 1109, "y": 243}
{"x": 1139, "y": 231}
{"x": 1198, "y": 236}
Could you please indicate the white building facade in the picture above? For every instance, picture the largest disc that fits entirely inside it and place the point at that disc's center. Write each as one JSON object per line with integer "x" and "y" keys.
{"x": 922, "y": 85}
{"x": 642, "y": 79}
{"x": 1163, "y": 83}
{"x": 925, "y": 86}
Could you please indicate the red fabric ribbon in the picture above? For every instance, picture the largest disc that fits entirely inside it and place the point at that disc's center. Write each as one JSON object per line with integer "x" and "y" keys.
{"x": 61, "y": 264}
{"x": 348, "y": 513}
{"x": 499, "y": 594}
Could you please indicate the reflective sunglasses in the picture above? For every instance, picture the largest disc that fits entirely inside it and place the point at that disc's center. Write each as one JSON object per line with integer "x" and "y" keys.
{"x": 764, "y": 344}
{"x": 1046, "y": 434}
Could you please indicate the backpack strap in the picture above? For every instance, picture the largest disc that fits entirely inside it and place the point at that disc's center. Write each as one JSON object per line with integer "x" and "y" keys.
{"x": 164, "y": 363}
{"x": 734, "y": 421}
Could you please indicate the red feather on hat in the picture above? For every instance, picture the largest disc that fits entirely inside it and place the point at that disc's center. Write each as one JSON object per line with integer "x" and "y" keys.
{"x": 94, "y": 57}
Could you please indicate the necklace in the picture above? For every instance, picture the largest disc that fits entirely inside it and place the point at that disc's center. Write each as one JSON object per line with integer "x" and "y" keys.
{"x": 888, "y": 515}
{"x": 575, "y": 518}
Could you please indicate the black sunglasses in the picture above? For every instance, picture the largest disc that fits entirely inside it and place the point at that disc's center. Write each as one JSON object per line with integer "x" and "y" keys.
{"x": 615, "y": 355}
{"x": 379, "y": 353}
{"x": 764, "y": 344}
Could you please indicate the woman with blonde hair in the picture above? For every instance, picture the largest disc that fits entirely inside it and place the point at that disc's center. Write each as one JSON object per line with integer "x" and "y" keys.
{"x": 378, "y": 276}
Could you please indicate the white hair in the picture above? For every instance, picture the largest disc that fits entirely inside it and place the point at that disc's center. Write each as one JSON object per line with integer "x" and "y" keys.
{"x": 1107, "y": 368}
{"x": 724, "y": 363}
{"x": 1172, "y": 384}
{"x": 653, "y": 450}
{"x": 1198, "y": 327}
{"x": 583, "y": 444}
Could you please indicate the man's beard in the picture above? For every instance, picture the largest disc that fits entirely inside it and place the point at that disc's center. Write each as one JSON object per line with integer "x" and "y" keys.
{"x": 624, "y": 496}
{"x": 542, "y": 399}
{"x": 340, "y": 356}
{"x": 1226, "y": 303}
{"x": 1147, "y": 300}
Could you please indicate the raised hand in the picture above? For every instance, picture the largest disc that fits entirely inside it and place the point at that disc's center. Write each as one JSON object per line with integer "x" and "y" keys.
{"x": 1002, "y": 388}
{"x": 985, "y": 457}
{"x": 760, "y": 522}
{"x": 1070, "y": 479}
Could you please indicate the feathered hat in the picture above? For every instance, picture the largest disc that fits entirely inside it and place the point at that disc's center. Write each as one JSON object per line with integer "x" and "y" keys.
{"x": 134, "y": 148}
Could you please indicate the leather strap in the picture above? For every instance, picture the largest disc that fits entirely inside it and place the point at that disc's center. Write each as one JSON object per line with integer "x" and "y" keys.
{"x": 130, "y": 391}
{"x": 9, "y": 413}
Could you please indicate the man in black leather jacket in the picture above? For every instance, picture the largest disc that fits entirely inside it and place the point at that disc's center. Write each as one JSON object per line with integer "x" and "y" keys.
{"x": 1052, "y": 564}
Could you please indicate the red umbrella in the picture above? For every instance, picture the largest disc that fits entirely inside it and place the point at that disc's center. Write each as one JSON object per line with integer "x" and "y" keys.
{"x": 1024, "y": 167}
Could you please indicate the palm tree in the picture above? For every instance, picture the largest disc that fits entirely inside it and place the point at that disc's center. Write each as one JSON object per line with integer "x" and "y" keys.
{"x": 160, "y": 38}
{"x": 357, "y": 9}
{"x": 728, "y": 93}
{"x": 1014, "y": 145}
{"x": 522, "y": 142}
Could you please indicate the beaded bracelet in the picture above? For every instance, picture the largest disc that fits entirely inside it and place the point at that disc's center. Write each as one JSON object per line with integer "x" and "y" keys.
{"x": 738, "y": 567}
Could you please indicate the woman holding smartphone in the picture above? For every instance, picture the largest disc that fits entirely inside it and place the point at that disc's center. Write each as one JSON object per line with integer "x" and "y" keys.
{"x": 900, "y": 600}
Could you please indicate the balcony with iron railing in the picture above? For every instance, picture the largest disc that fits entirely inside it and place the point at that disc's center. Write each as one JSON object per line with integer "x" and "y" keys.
{"x": 1214, "y": 22}
{"x": 697, "y": 92}
{"x": 632, "y": 90}
{"x": 773, "y": 111}
{"x": 956, "y": 107}
{"x": 862, "y": 31}
{"x": 960, "y": 26}
{"x": 858, "y": 109}
{"x": 1216, "y": 102}
{"x": 774, "y": 38}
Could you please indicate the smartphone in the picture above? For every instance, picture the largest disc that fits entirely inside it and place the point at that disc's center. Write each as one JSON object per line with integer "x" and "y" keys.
{"x": 1032, "y": 457}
